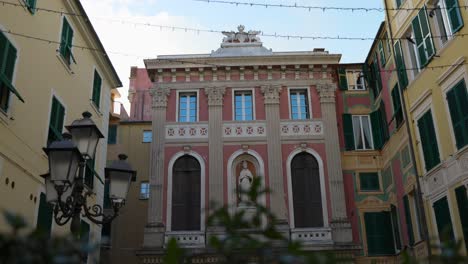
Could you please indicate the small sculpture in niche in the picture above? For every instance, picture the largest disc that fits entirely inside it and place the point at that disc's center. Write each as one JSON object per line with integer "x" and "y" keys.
{"x": 245, "y": 183}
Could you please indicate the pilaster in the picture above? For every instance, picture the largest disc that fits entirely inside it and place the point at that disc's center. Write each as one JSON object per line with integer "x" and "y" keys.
{"x": 154, "y": 231}
{"x": 341, "y": 227}
{"x": 271, "y": 95}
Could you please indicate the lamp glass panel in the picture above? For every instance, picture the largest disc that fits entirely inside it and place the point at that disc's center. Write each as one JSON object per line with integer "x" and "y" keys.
{"x": 51, "y": 192}
{"x": 119, "y": 184}
{"x": 63, "y": 165}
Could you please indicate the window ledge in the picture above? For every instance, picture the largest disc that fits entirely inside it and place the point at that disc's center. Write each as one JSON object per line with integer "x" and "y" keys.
{"x": 373, "y": 192}
{"x": 64, "y": 63}
{"x": 95, "y": 108}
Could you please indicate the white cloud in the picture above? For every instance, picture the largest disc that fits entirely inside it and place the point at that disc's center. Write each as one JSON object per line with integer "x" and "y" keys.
{"x": 142, "y": 41}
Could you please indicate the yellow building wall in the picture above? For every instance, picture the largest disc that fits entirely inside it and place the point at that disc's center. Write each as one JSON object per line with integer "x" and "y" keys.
{"x": 39, "y": 75}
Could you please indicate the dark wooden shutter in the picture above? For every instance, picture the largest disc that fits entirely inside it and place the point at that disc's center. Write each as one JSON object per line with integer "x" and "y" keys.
{"x": 44, "y": 215}
{"x": 186, "y": 204}
{"x": 343, "y": 81}
{"x": 348, "y": 131}
{"x": 428, "y": 141}
{"x": 444, "y": 222}
{"x": 112, "y": 135}
{"x": 10, "y": 62}
{"x": 64, "y": 38}
{"x": 378, "y": 77}
{"x": 382, "y": 53}
{"x": 31, "y": 5}
{"x": 401, "y": 68}
{"x": 97, "y": 83}
{"x": 57, "y": 115}
{"x": 395, "y": 226}
{"x": 453, "y": 10}
{"x": 379, "y": 240}
{"x": 397, "y": 109}
{"x": 307, "y": 198}
{"x": 457, "y": 99}
{"x": 462, "y": 201}
{"x": 409, "y": 222}
{"x": 377, "y": 126}
{"x": 423, "y": 38}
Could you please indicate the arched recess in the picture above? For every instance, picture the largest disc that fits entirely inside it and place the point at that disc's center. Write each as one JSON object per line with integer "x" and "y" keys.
{"x": 185, "y": 164}
{"x": 309, "y": 155}
{"x": 234, "y": 160}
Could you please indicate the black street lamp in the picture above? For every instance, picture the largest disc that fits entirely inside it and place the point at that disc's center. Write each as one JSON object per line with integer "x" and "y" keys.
{"x": 65, "y": 181}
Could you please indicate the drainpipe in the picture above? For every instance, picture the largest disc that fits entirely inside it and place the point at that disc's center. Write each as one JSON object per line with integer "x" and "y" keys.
{"x": 419, "y": 198}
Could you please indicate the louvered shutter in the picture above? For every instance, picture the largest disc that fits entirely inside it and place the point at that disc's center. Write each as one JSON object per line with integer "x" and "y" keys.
{"x": 343, "y": 81}
{"x": 454, "y": 14}
{"x": 348, "y": 132}
{"x": 462, "y": 201}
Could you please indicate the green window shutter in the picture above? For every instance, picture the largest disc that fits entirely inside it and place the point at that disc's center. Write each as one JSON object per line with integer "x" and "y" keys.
{"x": 343, "y": 81}
{"x": 66, "y": 41}
{"x": 443, "y": 221}
{"x": 31, "y": 5}
{"x": 397, "y": 109}
{"x": 348, "y": 131}
{"x": 382, "y": 53}
{"x": 398, "y": 3}
{"x": 57, "y": 115}
{"x": 457, "y": 99}
{"x": 428, "y": 141}
{"x": 454, "y": 14}
{"x": 396, "y": 227}
{"x": 369, "y": 181}
{"x": 44, "y": 215}
{"x": 112, "y": 135}
{"x": 423, "y": 38}
{"x": 409, "y": 222}
{"x": 401, "y": 68}
{"x": 378, "y": 78}
{"x": 379, "y": 240}
{"x": 376, "y": 122}
{"x": 462, "y": 201}
{"x": 89, "y": 173}
{"x": 97, "y": 83}
{"x": 366, "y": 74}
{"x": 9, "y": 68}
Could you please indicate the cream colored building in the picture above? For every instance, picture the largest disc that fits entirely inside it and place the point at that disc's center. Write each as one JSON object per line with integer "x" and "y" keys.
{"x": 46, "y": 81}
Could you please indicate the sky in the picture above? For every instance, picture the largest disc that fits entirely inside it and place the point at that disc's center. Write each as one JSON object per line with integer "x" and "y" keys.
{"x": 128, "y": 43}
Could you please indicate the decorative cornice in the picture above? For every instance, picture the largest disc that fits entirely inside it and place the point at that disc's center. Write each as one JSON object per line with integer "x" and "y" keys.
{"x": 326, "y": 92}
{"x": 271, "y": 93}
{"x": 215, "y": 95}
{"x": 159, "y": 95}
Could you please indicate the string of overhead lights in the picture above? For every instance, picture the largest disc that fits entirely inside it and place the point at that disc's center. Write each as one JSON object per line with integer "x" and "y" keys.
{"x": 322, "y": 8}
{"x": 188, "y": 62}
{"x": 272, "y": 35}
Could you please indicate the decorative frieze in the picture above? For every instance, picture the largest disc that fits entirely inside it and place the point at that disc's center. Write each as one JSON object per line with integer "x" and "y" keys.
{"x": 312, "y": 235}
{"x": 302, "y": 128}
{"x": 187, "y": 131}
{"x": 271, "y": 93}
{"x": 159, "y": 95}
{"x": 215, "y": 95}
{"x": 244, "y": 130}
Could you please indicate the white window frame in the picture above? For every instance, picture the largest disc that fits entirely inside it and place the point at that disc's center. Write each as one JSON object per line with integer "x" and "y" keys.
{"x": 252, "y": 92}
{"x": 144, "y": 195}
{"x": 361, "y": 77}
{"x": 362, "y": 132}
{"x": 143, "y": 136}
{"x": 410, "y": 55}
{"x": 307, "y": 90}
{"x": 440, "y": 5}
{"x": 177, "y": 105}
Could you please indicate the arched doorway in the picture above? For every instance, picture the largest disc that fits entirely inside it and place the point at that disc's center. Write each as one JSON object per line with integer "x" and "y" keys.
{"x": 186, "y": 185}
{"x": 306, "y": 191}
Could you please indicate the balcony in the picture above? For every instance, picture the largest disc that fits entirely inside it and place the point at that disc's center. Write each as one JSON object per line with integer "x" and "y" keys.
{"x": 301, "y": 128}
{"x": 312, "y": 236}
{"x": 186, "y": 239}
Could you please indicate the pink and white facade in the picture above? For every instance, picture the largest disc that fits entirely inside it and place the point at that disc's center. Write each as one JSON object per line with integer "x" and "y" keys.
{"x": 243, "y": 102}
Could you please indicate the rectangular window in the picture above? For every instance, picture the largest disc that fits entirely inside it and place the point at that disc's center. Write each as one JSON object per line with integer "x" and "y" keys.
{"x": 443, "y": 220}
{"x": 66, "y": 42}
{"x": 355, "y": 80}
{"x": 448, "y": 18}
{"x": 299, "y": 104}
{"x": 423, "y": 37}
{"x": 369, "y": 181}
{"x": 57, "y": 115}
{"x": 397, "y": 109}
{"x": 97, "y": 83}
{"x": 457, "y": 100}
{"x": 428, "y": 138}
{"x": 380, "y": 240}
{"x": 147, "y": 136}
{"x": 382, "y": 53}
{"x": 243, "y": 105}
{"x": 30, "y": 5}
{"x": 362, "y": 132}
{"x": 462, "y": 202}
{"x": 112, "y": 135}
{"x": 44, "y": 215}
{"x": 440, "y": 16}
{"x": 89, "y": 173}
{"x": 187, "y": 107}
{"x": 144, "y": 190}
{"x": 7, "y": 67}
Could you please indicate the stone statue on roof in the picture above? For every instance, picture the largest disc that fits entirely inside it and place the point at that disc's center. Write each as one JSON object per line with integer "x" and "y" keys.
{"x": 241, "y": 36}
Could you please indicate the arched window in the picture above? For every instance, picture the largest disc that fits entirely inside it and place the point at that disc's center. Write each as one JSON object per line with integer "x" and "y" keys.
{"x": 307, "y": 198}
{"x": 186, "y": 206}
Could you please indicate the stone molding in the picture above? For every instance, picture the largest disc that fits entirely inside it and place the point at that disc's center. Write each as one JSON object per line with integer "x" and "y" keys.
{"x": 215, "y": 95}
{"x": 271, "y": 93}
{"x": 326, "y": 92}
{"x": 159, "y": 95}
